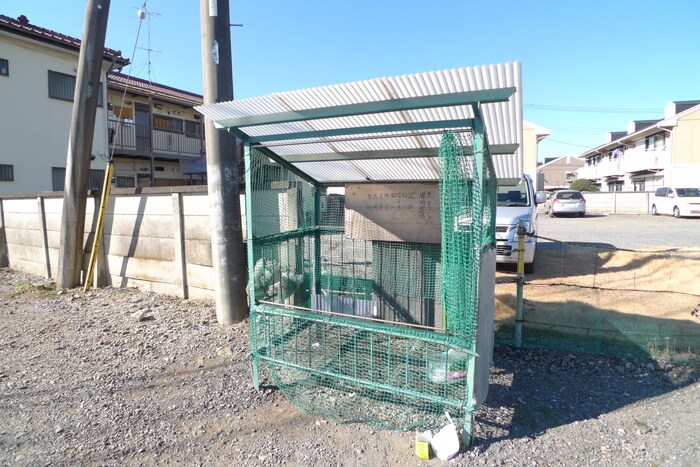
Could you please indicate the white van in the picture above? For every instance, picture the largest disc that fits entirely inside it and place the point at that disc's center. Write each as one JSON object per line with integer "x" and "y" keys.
{"x": 679, "y": 202}
{"x": 515, "y": 201}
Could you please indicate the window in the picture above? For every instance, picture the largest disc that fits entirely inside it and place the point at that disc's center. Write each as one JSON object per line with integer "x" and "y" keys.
{"x": 655, "y": 142}
{"x": 125, "y": 181}
{"x": 161, "y": 122}
{"x": 96, "y": 179}
{"x": 62, "y": 86}
{"x": 58, "y": 178}
{"x": 616, "y": 185}
{"x": 7, "y": 173}
{"x": 193, "y": 129}
{"x": 4, "y": 67}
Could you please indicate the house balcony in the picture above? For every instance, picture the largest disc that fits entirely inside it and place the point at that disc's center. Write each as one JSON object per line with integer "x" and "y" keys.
{"x": 138, "y": 140}
{"x": 632, "y": 162}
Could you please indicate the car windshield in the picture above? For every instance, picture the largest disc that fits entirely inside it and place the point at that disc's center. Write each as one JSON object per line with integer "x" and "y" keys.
{"x": 513, "y": 195}
{"x": 569, "y": 195}
{"x": 688, "y": 192}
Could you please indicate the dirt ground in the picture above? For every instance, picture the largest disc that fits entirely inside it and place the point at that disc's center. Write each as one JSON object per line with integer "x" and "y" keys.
{"x": 122, "y": 377}
{"x": 648, "y": 298}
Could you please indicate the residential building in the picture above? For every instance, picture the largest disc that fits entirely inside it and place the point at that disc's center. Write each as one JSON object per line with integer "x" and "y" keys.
{"x": 151, "y": 130}
{"x": 156, "y": 137}
{"x": 651, "y": 154}
{"x": 559, "y": 172}
{"x": 37, "y": 79}
{"x": 532, "y": 135}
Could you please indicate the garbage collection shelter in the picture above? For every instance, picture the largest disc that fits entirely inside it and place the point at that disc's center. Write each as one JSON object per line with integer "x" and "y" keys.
{"x": 370, "y": 212}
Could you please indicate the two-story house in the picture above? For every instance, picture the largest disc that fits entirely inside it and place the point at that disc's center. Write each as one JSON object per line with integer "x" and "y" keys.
{"x": 155, "y": 135}
{"x": 37, "y": 81}
{"x": 650, "y": 154}
{"x": 150, "y": 130}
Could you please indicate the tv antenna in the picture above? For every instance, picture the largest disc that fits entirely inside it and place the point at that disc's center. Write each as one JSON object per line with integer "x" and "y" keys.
{"x": 145, "y": 13}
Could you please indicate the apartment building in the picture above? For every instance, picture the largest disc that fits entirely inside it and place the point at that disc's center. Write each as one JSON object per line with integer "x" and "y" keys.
{"x": 650, "y": 154}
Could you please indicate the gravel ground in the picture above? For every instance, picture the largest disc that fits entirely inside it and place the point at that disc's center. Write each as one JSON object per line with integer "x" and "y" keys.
{"x": 122, "y": 377}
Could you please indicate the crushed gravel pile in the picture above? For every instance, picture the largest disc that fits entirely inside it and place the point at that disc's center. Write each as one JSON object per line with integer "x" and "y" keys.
{"x": 123, "y": 377}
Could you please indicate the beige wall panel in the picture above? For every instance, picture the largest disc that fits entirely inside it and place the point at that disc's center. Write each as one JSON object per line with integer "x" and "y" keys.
{"x": 30, "y": 267}
{"x": 158, "y": 205}
{"x": 142, "y": 269}
{"x": 198, "y": 252}
{"x": 686, "y": 140}
{"x": 26, "y": 253}
{"x": 631, "y": 203}
{"x": 160, "y": 249}
{"x": 197, "y": 228}
{"x": 200, "y": 276}
{"x": 22, "y": 220}
{"x": 200, "y": 294}
{"x": 23, "y": 206}
{"x": 55, "y": 206}
{"x": 157, "y": 226}
{"x": 146, "y": 285}
{"x": 19, "y": 237}
{"x": 195, "y": 203}
{"x": 54, "y": 239}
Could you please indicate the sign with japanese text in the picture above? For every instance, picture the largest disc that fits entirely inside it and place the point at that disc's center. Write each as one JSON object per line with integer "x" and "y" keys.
{"x": 396, "y": 212}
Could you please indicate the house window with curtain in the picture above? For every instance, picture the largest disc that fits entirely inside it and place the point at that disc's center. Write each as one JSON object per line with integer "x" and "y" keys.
{"x": 161, "y": 122}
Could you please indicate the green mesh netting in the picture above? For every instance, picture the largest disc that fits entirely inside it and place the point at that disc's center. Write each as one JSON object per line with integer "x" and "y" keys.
{"x": 382, "y": 355}
{"x": 461, "y": 237}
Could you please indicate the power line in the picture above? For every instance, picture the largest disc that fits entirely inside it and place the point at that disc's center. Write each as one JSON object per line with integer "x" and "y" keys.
{"x": 567, "y": 108}
{"x": 564, "y": 142}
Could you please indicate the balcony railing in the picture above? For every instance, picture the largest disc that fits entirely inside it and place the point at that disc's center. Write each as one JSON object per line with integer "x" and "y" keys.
{"x": 633, "y": 161}
{"x": 138, "y": 138}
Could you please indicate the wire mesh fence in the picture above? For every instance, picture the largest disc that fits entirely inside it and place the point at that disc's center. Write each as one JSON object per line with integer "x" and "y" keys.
{"x": 356, "y": 327}
{"x": 593, "y": 298}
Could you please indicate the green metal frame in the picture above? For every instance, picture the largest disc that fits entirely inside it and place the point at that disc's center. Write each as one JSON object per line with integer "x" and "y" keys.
{"x": 480, "y": 149}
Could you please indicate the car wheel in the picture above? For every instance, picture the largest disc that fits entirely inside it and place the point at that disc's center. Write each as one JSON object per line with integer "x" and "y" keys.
{"x": 529, "y": 268}
{"x": 581, "y": 214}
{"x": 676, "y": 211}
{"x": 654, "y": 212}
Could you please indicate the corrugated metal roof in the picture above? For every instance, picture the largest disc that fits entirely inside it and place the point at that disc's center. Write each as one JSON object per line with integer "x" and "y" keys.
{"x": 503, "y": 121}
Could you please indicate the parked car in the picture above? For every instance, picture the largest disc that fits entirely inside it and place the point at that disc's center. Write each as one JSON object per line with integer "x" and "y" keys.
{"x": 566, "y": 202}
{"x": 679, "y": 202}
{"x": 516, "y": 201}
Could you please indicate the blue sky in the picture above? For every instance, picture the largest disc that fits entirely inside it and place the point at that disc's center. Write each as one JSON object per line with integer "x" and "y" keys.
{"x": 588, "y": 67}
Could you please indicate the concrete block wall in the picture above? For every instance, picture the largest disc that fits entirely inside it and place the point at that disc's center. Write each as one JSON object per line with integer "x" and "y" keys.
{"x": 156, "y": 239}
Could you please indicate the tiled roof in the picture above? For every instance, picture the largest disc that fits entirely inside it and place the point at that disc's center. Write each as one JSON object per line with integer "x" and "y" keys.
{"x": 22, "y": 27}
{"x": 135, "y": 85}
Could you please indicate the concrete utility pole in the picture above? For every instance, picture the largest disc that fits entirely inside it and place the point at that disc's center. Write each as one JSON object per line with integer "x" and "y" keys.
{"x": 87, "y": 88}
{"x": 228, "y": 251}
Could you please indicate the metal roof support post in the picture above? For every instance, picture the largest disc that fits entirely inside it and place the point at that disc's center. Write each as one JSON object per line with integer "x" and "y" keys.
{"x": 251, "y": 257}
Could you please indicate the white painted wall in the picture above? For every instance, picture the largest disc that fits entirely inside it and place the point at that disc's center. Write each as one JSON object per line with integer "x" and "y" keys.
{"x": 34, "y": 129}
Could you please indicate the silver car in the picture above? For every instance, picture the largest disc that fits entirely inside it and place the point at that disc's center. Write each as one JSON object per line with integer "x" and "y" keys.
{"x": 569, "y": 202}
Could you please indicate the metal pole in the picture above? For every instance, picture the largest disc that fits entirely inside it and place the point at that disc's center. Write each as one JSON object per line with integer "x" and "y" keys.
{"x": 228, "y": 251}
{"x": 87, "y": 88}
{"x": 520, "y": 282}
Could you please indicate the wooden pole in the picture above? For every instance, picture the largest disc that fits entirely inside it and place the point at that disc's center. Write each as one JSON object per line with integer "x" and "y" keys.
{"x": 87, "y": 88}
{"x": 228, "y": 251}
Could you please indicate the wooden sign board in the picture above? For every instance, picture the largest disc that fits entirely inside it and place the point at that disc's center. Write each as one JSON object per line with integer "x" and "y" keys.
{"x": 395, "y": 212}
